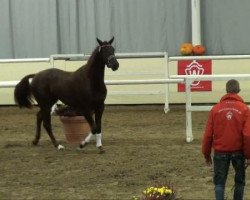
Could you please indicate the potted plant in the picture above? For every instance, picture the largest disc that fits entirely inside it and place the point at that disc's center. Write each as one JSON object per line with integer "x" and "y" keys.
{"x": 75, "y": 126}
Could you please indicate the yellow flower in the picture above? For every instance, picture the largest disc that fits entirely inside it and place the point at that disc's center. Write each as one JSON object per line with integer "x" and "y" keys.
{"x": 168, "y": 191}
{"x": 135, "y": 198}
{"x": 161, "y": 191}
{"x": 158, "y": 192}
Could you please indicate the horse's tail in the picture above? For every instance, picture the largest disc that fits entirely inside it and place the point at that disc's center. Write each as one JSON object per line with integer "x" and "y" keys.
{"x": 22, "y": 92}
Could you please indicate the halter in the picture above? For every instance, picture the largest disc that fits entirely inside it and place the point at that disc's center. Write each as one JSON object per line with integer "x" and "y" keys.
{"x": 105, "y": 45}
{"x": 111, "y": 56}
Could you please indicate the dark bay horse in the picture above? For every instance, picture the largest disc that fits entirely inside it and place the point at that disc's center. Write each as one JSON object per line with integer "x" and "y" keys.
{"x": 84, "y": 90}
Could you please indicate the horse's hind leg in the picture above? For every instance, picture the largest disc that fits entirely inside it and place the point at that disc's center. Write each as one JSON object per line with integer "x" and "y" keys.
{"x": 47, "y": 126}
{"x": 39, "y": 119}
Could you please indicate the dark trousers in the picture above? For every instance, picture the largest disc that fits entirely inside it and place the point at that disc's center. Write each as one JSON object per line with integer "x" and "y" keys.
{"x": 221, "y": 167}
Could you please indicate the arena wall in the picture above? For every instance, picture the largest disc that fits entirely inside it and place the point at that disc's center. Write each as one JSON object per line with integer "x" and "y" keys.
{"x": 135, "y": 69}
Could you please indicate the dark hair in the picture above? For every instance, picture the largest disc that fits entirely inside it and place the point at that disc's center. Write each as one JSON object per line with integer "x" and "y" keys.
{"x": 233, "y": 86}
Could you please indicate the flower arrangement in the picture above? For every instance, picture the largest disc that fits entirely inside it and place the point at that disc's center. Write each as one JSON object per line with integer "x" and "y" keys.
{"x": 159, "y": 192}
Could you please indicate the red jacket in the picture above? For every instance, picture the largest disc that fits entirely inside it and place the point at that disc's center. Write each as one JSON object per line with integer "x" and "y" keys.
{"x": 228, "y": 127}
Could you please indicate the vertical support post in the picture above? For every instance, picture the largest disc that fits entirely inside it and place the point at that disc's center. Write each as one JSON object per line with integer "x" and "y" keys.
{"x": 52, "y": 61}
{"x": 196, "y": 22}
{"x": 166, "y": 73}
{"x": 189, "y": 134}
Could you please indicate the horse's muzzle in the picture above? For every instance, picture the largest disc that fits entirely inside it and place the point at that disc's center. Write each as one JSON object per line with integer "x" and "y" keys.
{"x": 112, "y": 63}
{"x": 115, "y": 67}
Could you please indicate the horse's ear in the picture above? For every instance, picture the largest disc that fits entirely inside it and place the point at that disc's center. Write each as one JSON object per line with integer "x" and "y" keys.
{"x": 99, "y": 41}
{"x": 110, "y": 41}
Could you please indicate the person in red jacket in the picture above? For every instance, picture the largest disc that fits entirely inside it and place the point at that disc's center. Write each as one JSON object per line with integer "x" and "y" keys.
{"x": 228, "y": 134}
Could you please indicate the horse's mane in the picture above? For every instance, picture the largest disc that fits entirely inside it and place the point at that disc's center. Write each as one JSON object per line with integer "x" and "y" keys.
{"x": 93, "y": 55}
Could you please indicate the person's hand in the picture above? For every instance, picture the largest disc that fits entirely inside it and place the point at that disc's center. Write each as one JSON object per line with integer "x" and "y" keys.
{"x": 247, "y": 163}
{"x": 209, "y": 161}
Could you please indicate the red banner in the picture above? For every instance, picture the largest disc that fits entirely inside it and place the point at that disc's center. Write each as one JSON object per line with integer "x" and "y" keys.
{"x": 194, "y": 67}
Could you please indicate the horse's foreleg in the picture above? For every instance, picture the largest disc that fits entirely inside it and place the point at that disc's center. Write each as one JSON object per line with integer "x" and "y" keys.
{"x": 47, "y": 126}
{"x": 91, "y": 122}
{"x": 39, "y": 119}
{"x": 98, "y": 128}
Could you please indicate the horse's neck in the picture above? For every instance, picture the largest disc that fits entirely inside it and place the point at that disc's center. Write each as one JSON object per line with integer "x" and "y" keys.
{"x": 95, "y": 70}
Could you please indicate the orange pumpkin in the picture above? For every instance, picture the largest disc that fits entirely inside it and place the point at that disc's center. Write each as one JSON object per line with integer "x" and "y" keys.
{"x": 186, "y": 49}
{"x": 199, "y": 50}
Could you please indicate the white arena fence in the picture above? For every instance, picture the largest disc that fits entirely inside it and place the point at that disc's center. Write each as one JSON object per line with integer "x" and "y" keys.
{"x": 174, "y": 79}
{"x": 189, "y": 79}
{"x": 74, "y": 57}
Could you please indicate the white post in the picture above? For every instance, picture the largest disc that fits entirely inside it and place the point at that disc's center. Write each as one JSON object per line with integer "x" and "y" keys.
{"x": 166, "y": 73}
{"x": 196, "y": 24}
{"x": 52, "y": 62}
{"x": 189, "y": 134}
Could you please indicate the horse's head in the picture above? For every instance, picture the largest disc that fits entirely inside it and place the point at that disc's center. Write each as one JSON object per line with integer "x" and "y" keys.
{"x": 107, "y": 53}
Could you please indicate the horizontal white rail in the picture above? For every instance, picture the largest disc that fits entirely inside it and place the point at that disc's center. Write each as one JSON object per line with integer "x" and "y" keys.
{"x": 129, "y": 92}
{"x": 8, "y": 84}
{"x": 213, "y": 77}
{"x": 140, "y": 55}
{"x": 136, "y": 82}
{"x": 134, "y": 74}
{"x": 24, "y": 60}
{"x": 200, "y": 108}
{"x": 126, "y": 55}
{"x": 118, "y": 55}
{"x": 157, "y": 54}
{"x": 83, "y": 56}
{"x": 66, "y": 56}
{"x": 227, "y": 57}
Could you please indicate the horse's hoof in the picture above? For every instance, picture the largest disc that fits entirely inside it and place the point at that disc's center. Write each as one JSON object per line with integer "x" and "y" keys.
{"x": 35, "y": 142}
{"x": 101, "y": 150}
{"x": 81, "y": 146}
{"x": 60, "y": 147}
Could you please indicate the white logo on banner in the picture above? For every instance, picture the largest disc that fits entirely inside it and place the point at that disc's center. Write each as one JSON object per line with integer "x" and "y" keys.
{"x": 194, "y": 68}
{"x": 229, "y": 115}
